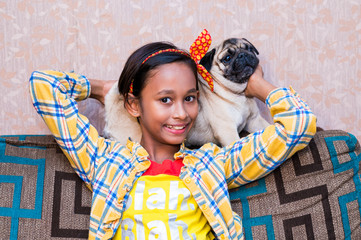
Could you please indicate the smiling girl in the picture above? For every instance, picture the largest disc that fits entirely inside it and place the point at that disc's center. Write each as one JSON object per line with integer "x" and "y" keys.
{"x": 158, "y": 188}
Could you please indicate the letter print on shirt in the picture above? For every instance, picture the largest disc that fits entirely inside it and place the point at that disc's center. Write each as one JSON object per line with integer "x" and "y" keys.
{"x": 161, "y": 207}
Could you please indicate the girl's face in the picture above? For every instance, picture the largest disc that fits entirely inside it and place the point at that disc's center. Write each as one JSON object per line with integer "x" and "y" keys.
{"x": 168, "y": 105}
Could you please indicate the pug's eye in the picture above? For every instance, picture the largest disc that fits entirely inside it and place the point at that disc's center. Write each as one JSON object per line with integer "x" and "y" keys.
{"x": 226, "y": 59}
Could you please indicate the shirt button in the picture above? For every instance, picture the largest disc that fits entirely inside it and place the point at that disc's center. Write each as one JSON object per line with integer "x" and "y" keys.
{"x": 204, "y": 207}
{"x": 188, "y": 180}
{"x": 223, "y": 237}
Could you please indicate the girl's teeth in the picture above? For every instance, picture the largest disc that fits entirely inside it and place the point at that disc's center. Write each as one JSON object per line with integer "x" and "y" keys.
{"x": 176, "y": 127}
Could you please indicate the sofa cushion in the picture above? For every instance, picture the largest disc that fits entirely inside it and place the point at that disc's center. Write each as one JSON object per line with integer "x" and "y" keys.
{"x": 314, "y": 195}
{"x": 41, "y": 197}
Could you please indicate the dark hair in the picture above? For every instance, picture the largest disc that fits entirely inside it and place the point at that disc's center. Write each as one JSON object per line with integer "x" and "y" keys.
{"x": 137, "y": 72}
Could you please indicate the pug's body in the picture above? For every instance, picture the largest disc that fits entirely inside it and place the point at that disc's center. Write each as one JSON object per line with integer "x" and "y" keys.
{"x": 223, "y": 113}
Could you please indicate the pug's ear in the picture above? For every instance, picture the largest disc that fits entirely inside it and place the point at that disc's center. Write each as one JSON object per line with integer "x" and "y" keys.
{"x": 132, "y": 105}
{"x": 207, "y": 60}
{"x": 251, "y": 47}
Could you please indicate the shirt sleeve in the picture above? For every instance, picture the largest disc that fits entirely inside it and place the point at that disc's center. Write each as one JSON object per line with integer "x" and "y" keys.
{"x": 54, "y": 96}
{"x": 261, "y": 152}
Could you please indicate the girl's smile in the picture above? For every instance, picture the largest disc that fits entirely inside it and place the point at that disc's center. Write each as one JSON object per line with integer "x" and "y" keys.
{"x": 176, "y": 129}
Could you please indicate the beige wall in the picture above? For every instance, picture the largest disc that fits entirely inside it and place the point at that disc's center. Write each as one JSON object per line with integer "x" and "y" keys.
{"x": 312, "y": 45}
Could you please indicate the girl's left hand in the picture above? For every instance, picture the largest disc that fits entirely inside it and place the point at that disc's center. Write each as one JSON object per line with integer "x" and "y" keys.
{"x": 257, "y": 86}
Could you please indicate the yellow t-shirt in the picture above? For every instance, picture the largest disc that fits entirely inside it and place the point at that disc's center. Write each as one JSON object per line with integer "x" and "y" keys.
{"x": 161, "y": 207}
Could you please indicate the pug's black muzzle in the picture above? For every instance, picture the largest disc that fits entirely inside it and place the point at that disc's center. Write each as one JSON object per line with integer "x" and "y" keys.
{"x": 242, "y": 67}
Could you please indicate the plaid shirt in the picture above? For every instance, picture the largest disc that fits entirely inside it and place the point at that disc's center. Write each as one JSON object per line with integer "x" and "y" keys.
{"x": 110, "y": 169}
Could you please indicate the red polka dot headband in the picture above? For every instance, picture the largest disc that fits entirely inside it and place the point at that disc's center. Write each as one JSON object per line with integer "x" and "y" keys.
{"x": 197, "y": 50}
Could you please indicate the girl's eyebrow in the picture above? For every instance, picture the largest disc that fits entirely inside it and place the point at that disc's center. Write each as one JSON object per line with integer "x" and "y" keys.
{"x": 193, "y": 90}
{"x": 165, "y": 92}
{"x": 169, "y": 91}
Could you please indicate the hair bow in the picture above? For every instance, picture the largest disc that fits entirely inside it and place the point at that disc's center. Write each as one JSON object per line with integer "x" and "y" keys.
{"x": 197, "y": 50}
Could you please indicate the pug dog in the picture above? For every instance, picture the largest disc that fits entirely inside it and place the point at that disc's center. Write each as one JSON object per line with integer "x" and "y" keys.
{"x": 223, "y": 113}
{"x": 226, "y": 111}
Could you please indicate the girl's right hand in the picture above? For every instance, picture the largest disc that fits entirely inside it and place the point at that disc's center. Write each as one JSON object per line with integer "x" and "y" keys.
{"x": 100, "y": 88}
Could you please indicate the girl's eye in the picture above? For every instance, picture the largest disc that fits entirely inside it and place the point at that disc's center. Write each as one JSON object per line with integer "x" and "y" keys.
{"x": 165, "y": 100}
{"x": 190, "y": 98}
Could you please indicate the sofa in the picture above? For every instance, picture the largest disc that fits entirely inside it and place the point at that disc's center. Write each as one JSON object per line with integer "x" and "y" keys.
{"x": 316, "y": 194}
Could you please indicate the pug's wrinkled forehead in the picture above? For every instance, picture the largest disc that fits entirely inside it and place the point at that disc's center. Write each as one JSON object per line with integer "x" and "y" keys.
{"x": 233, "y": 45}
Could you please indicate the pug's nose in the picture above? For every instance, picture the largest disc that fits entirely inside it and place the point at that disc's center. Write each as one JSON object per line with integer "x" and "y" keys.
{"x": 241, "y": 59}
{"x": 241, "y": 55}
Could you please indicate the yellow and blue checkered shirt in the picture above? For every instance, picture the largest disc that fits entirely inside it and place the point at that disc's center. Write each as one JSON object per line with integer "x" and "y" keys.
{"x": 110, "y": 169}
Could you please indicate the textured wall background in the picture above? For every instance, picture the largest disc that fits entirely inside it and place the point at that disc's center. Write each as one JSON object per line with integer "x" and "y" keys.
{"x": 312, "y": 45}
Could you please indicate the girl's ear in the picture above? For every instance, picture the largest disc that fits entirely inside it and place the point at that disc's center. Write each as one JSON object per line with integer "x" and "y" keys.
{"x": 132, "y": 105}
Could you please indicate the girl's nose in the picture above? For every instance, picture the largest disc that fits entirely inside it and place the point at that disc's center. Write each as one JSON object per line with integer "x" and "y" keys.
{"x": 179, "y": 111}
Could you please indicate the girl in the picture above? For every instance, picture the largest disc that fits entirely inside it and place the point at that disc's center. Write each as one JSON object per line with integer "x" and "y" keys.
{"x": 158, "y": 188}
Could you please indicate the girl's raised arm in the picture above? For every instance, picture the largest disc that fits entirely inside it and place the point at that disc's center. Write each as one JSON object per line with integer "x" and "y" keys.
{"x": 259, "y": 153}
{"x": 54, "y": 96}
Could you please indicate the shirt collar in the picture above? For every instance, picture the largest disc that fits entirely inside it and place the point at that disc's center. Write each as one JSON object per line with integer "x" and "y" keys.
{"x": 137, "y": 150}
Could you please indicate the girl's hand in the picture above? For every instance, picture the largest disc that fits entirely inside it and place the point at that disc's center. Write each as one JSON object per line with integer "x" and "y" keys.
{"x": 100, "y": 88}
{"x": 257, "y": 86}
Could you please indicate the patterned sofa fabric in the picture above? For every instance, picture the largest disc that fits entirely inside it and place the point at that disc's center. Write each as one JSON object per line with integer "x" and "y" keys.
{"x": 40, "y": 195}
{"x": 314, "y": 195}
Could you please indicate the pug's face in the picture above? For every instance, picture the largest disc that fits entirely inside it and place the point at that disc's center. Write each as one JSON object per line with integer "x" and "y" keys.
{"x": 235, "y": 60}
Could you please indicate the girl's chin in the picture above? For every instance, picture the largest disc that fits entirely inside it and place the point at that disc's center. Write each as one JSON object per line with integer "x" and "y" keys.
{"x": 175, "y": 140}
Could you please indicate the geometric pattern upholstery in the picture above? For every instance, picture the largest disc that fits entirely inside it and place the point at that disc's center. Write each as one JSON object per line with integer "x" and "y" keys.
{"x": 314, "y": 195}
{"x": 41, "y": 197}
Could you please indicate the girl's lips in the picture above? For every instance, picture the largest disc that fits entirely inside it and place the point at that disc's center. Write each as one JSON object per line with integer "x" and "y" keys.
{"x": 176, "y": 129}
